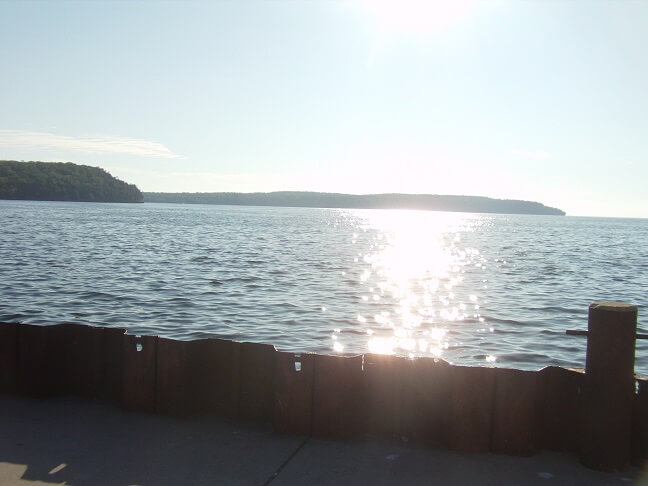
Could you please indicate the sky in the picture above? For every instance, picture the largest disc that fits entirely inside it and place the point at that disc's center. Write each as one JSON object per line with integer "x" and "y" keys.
{"x": 535, "y": 100}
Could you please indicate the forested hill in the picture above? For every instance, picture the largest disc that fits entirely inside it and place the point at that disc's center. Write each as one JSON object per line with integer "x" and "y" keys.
{"x": 58, "y": 181}
{"x": 471, "y": 204}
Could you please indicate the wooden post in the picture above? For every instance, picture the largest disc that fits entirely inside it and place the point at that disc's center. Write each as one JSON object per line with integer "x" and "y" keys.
{"x": 425, "y": 400}
{"x": 8, "y": 357}
{"x": 293, "y": 395}
{"x": 256, "y": 392}
{"x": 139, "y": 369}
{"x": 337, "y": 406}
{"x": 384, "y": 378}
{"x": 470, "y": 412}
{"x": 559, "y": 395}
{"x": 608, "y": 388}
{"x": 640, "y": 424}
{"x": 514, "y": 428}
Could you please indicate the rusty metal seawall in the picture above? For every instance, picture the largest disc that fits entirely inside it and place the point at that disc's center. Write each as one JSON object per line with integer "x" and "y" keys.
{"x": 600, "y": 413}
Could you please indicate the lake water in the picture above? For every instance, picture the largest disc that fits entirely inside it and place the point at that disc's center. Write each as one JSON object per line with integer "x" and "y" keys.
{"x": 471, "y": 288}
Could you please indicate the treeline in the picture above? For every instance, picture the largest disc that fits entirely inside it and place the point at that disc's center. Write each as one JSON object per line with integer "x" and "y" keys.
{"x": 58, "y": 181}
{"x": 471, "y": 204}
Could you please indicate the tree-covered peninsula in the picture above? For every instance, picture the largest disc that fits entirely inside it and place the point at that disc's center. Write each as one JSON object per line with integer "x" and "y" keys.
{"x": 58, "y": 181}
{"x": 432, "y": 202}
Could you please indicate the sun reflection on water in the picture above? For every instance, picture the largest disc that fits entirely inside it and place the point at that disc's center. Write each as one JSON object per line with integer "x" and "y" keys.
{"x": 412, "y": 294}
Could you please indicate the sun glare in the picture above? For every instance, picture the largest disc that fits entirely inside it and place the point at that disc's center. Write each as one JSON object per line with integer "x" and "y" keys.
{"x": 417, "y": 17}
{"x": 409, "y": 276}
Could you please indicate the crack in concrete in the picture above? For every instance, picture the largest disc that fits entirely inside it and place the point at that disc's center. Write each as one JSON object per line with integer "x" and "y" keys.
{"x": 286, "y": 462}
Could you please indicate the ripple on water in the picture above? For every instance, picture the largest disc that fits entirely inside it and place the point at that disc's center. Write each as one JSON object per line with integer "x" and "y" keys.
{"x": 474, "y": 289}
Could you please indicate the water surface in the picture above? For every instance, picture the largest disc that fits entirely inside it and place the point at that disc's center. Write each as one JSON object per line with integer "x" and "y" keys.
{"x": 470, "y": 288}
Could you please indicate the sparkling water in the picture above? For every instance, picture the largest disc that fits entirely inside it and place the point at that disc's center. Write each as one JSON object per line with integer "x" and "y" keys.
{"x": 492, "y": 290}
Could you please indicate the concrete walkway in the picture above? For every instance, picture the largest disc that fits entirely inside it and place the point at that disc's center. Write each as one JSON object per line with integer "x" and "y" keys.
{"x": 76, "y": 442}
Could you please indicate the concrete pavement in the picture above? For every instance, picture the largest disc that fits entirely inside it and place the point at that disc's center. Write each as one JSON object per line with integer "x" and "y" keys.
{"x": 78, "y": 442}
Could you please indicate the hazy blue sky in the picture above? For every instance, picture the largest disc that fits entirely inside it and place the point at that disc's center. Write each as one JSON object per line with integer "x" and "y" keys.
{"x": 538, "y": 100}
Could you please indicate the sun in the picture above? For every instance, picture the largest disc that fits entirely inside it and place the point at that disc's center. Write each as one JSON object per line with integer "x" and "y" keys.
{"x": 417, "y": 17}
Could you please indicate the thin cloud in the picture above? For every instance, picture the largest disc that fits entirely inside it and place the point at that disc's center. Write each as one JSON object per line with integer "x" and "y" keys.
{"x": 102, "y": 144}
{"x": 530, "y": 154}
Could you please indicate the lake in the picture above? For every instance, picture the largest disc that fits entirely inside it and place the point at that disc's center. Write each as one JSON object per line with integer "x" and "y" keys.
{"x": 475, "y": 289}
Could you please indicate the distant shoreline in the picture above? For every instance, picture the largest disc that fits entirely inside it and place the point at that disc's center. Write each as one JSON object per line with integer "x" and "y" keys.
{"x": 428, "y": 202}
{"x": 62, "y": 181}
